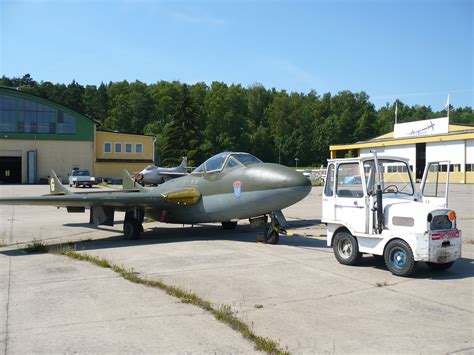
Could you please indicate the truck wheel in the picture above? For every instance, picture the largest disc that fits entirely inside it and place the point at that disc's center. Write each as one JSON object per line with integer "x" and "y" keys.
{"x": 346, "y": 248}
{"x": 440, "y": 267}
{"x": 131, "y": 229}
{"x": 229, "y": 225}
{"x": 399, "y": 258}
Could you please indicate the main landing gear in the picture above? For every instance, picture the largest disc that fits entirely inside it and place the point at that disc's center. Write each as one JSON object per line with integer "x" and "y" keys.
{"x": 133, "y": 223}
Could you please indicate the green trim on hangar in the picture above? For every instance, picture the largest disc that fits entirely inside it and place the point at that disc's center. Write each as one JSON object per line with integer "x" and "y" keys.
{"x": 83, "y": 126}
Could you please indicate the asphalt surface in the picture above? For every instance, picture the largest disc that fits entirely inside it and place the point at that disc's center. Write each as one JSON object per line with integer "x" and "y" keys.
{"x": 294, "y": 292}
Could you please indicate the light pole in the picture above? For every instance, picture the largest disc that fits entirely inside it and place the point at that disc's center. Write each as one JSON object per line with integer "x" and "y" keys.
{"x": 296, "y": 163}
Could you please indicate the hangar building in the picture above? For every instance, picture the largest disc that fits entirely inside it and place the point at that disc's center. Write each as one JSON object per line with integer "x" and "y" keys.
{"x": 422, "y": 141}
{"x": 37, "y": 135}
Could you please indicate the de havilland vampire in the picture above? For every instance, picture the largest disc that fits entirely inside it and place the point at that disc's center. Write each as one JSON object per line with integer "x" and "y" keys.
{"x": 153, "y": 174}
{"x": 225, "y": 188}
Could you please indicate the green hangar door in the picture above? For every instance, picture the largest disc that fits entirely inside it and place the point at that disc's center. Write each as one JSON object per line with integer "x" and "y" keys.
{"x": 10, "y": 170}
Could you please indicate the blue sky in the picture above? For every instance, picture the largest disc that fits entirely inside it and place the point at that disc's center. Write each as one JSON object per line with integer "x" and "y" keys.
{"x": 417, "y": 51}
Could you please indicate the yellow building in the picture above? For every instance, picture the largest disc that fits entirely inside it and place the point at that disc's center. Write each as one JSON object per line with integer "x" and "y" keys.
{"x": 117, "y": 151}
{"x": 422, "y": 141}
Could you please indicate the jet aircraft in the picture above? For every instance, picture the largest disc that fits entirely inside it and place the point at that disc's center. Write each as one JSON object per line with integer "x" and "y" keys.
{"x": 226, "y": 188}
{"x": 153, "y": 174}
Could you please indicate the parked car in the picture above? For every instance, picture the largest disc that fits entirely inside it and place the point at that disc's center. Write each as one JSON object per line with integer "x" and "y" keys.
{"x": 81, "y": 177}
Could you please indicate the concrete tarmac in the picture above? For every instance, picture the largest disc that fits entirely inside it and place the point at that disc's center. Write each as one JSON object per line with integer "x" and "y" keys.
{"x": 295, "y": 292}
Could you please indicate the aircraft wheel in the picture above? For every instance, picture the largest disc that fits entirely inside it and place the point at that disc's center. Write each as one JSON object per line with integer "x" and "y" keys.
{"x": 346, "y": 248}
{"x": 399, "y": 258}
{"x": 271, "y": 236}
{"x": 440, "y": 267}
{"x": 132, "y": 229}
{"x": 229, "y": 225}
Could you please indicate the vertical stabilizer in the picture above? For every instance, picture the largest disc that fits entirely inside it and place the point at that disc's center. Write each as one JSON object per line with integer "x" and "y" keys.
{"x": 56, "y": 187}
{"x": 184, "y": 164}
{"x": 129, "y": 183}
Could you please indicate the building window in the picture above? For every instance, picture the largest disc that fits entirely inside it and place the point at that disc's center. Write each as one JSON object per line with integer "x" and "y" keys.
{"x": 138, "y": 148}
{"x": 107, "y": 147}
{"x": 118, "y": 147}
{"x": 469, "y": 167}
{"x": 128, "y": 148}
{"x": 66, "y": 123}
{"x": 7, "y": 114}
{"x": 455, "y": 168}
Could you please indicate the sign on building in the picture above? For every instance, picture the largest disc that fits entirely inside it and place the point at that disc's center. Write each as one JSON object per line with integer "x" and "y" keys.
{"x": 422, "y": 128}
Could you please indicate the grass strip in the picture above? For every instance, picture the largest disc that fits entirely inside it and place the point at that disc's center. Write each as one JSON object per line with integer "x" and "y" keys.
{"x": 223, "y": 313}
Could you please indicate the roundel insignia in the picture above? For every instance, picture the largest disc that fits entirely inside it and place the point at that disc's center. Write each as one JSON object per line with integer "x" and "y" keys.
{"x": 237, "y": 188}
{"x": 52, "y": 184}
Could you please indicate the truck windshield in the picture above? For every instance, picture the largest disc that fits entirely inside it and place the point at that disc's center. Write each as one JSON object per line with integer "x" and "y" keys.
{"x": 396, "y": 176}
{"x": 80, "y": 173}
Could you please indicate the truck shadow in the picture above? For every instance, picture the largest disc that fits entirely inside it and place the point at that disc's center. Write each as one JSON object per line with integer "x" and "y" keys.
{"x": 462, "y": 269}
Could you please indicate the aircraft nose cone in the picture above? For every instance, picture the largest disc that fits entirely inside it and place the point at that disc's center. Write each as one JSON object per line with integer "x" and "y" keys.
{"x": 274, "y": 176}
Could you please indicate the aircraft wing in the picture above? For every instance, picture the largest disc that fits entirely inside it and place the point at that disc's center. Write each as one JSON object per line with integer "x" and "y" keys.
{"x": 133, "y": 195}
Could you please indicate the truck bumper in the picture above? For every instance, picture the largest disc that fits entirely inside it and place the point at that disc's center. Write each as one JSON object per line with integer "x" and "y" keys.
{"x": 444, "y": 246}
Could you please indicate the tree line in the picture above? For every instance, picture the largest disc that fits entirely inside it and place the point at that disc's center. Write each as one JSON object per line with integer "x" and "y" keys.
{"x": 200, "y": 120}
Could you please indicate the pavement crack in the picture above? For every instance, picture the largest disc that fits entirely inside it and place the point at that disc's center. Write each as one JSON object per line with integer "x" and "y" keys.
{"x": 8, "y": 305}
{"x": 102, "y": 321}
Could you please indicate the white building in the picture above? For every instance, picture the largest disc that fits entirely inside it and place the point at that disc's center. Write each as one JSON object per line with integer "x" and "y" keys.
{"x": 422, "y": 141}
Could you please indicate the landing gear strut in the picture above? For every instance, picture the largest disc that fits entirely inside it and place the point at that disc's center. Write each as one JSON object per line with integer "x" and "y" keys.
{"x": 132, "y": 225}
{"x": 272, "y": 230}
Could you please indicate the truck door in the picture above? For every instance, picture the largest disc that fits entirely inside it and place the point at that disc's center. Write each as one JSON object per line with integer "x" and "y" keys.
{"x": 434, "y": 186}
{"x": 351, "y": 209}
{"x": 329, "y": 199}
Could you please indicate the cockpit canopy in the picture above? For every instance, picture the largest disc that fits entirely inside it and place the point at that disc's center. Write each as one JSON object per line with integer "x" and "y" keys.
{"x": 226, "y": 160}
{"x": 150, "y": 167}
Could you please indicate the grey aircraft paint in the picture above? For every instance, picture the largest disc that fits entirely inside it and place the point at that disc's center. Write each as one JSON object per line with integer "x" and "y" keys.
{"x": 157, "y": 175}
{"x": 238, "y": 186}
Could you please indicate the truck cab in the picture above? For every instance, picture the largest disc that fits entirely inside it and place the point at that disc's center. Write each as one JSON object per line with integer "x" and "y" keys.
{"x": 372, "y": 205}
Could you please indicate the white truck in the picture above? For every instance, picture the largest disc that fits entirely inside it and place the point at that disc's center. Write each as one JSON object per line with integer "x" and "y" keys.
{"x": 371, "y": 205}
{"x": 81, "y": 177}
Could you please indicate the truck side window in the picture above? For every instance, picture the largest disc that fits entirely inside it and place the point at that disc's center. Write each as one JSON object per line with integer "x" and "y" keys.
{"x": 329, "y": 187}
{"x": 349, "y": 182}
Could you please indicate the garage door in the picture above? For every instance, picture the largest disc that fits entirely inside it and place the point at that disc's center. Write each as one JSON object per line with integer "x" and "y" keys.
{"x": 10, "y": 170}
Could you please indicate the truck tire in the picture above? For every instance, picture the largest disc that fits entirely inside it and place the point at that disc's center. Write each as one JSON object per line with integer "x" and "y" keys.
{"x": 399, "y": 258}
{"x": 346, "y": 248}
{"x": 439, "y": 267}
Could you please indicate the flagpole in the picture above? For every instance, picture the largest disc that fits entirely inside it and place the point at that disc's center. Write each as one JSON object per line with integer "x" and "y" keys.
{"x": 447, "y": 104}
{"x": 396, "y": 112}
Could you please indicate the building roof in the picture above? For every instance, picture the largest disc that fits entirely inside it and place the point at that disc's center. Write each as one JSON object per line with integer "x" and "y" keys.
{"x": 17, "y": 92}
{"x": 456, "y": 131}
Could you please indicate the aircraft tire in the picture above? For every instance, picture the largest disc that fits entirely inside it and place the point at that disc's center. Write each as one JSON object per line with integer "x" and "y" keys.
{"x": 271, "y": 236}
{"x": 229, "y": 225}
{"x": 131, "y": 229}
